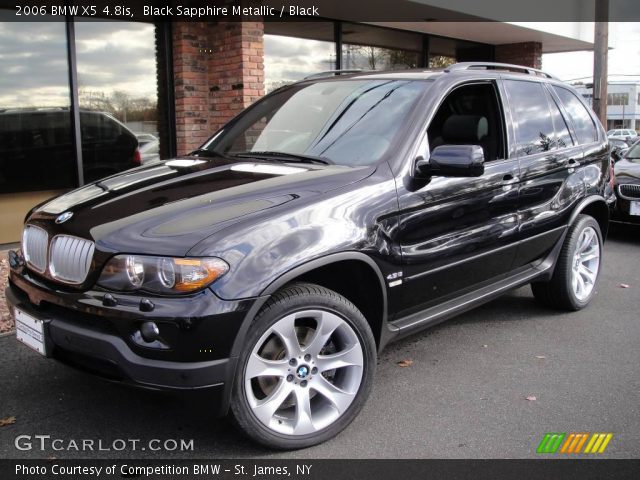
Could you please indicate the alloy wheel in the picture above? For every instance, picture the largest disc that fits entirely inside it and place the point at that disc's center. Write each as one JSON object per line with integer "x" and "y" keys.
{"x": 304, "y": 372}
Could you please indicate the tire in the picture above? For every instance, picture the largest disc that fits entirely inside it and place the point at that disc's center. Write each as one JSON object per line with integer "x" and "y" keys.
{"x": 575, "y": 277}
{"x": 278, "y": 370}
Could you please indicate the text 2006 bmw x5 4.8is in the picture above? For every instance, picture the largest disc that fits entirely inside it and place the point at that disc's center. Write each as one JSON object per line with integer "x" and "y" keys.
{"x": 329, "y": 218}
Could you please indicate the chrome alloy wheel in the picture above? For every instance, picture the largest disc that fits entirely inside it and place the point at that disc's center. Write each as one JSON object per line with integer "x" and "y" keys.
{"x": 586, "y": 262}
{"x": 304, "y": 372}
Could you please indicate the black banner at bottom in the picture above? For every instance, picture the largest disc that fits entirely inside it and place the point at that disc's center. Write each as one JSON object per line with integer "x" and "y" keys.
{"x": 320, "y": 469}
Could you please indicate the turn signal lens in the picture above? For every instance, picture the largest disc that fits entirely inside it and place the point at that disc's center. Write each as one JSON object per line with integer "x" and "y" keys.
{"x": 161, "y": 274}
{"x": 193, "y": 274}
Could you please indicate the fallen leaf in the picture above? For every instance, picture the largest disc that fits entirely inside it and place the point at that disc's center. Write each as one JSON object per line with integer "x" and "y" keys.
{"x": 7, "y": 421}
{"x": 624, "y": 285}
{"x": 541, "y": 357}
{"x": 531, "y": 398}
{"x": 405, "y": 363}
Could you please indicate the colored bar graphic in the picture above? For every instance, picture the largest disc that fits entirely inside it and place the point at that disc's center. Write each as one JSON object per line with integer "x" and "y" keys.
{"x": 550, "y": 442}
{"x": 598, "y": 443}
{"x": 573, "y": 442}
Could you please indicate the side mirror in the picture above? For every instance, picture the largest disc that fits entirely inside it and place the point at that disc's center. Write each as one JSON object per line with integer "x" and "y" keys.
{"x": 453, "y": 161}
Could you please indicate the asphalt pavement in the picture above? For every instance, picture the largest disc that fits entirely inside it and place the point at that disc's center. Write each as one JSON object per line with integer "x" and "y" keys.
{"x": 464, "y": 395}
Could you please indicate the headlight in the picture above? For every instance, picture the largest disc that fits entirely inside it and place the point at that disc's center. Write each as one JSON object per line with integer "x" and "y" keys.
{"x": 161, "y": 274}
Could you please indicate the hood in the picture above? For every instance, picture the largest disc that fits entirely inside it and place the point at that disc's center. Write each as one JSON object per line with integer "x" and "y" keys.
{"x": 627, "y": 171}
{"x": 167, "y": 207}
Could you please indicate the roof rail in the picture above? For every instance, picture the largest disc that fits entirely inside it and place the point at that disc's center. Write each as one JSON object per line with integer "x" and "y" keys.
{"x": 328, "y": 73}
{"x": 497, "y": 66}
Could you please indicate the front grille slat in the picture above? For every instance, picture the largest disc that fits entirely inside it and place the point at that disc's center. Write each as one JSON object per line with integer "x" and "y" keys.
{"x": 70, "y": 258}
{"x": 34, "y": 247}
{"x": 629, "y": 190}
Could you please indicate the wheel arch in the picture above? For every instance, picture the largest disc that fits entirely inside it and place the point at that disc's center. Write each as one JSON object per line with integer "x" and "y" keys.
{"x": 595, "y": 206}
{"x": 336, "y": 272}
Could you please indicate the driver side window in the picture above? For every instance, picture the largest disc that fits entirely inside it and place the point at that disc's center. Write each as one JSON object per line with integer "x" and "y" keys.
{"x": 470, "y": 115}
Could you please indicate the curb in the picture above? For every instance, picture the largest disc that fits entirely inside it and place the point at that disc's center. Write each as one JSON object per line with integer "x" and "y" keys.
{"x": 6, "y": 334}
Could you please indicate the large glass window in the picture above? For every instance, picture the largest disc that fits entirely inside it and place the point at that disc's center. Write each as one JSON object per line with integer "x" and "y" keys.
{"x": 372, "y": 48}
{"x": 618, "y": 99}
{"x": 294, "y": 50}
{"x": 117, "y": 92}
{"x": 582, "y": 121}
{"x": 36, "y": 151}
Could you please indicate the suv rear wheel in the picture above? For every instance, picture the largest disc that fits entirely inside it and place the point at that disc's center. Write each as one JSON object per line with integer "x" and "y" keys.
{"x": 306, "y": 370}
{"x": 576, "y": 274}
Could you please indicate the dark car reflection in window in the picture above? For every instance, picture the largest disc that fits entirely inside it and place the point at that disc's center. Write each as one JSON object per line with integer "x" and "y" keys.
{"x": 37, "y": 151}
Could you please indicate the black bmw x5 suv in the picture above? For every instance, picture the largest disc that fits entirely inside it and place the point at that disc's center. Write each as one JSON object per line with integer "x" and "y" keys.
{"x": 333, "y": 216}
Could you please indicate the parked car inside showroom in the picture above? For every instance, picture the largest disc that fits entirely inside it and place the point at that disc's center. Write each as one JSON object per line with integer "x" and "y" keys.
{"x": 335, "y": 215}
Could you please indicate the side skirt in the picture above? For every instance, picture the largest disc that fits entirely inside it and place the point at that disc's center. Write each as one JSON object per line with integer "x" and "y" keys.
{"x": 413, "y": 323}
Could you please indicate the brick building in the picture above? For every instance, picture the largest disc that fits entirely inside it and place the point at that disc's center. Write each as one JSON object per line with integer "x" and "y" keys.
{"x": 72, "y": 88}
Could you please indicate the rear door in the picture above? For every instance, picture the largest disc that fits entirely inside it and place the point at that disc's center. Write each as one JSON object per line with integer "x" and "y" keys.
{"x": 548, "y": 158}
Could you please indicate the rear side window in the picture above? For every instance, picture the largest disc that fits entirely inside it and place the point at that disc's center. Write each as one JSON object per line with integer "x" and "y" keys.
{"x": 582, "y": 121}
{"x": 563, "y": 137}
{"x": 532, "y": 117}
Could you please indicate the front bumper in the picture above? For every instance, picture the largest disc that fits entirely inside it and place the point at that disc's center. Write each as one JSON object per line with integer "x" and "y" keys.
{"x": 620, "y": 211}
{"x": 82, "y": 332}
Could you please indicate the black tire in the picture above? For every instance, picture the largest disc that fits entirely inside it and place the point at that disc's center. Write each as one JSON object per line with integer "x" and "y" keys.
{"x": 294, "y": 298}
{"x": 559, "y": 292}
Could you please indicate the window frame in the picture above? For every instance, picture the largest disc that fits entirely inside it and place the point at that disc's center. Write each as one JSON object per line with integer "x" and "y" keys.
{"x": 569, "y": 119}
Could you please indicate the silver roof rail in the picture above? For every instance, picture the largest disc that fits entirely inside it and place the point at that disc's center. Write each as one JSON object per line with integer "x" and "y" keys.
{"x": 328, "y": 73}
{"x": 497, "y": 66}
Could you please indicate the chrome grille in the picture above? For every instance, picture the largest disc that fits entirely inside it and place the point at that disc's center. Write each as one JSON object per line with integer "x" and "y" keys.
{"x": 629, "y": 190}
{"x": 70, "y": 258}
{"x": 34, "y": 247}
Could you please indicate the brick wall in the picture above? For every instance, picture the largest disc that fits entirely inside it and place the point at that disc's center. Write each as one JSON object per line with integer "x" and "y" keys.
{"x": 219, "y": 70}
{"x": 528, "y": 54}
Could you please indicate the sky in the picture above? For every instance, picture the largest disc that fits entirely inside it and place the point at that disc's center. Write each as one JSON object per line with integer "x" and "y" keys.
{"x": 624, "y": 56}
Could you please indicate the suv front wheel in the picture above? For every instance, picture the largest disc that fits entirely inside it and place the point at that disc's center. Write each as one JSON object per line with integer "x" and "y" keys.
{"x": 306, "y": 370}
{"x": 577, "y": 269}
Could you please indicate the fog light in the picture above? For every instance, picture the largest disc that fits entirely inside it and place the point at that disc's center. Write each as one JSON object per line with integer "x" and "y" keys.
{"x": 149, "y": 332}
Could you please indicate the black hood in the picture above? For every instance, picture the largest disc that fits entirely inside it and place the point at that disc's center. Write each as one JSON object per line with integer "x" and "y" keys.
{"x": 167, "y": 207}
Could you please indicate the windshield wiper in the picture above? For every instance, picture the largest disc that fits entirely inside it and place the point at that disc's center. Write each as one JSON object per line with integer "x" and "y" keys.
{"x": 284, "y": 156}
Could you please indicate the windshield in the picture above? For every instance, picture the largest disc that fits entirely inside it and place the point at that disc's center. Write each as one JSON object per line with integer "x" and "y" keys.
{"x": 634, "y": 153}
{"x": 347, "y": 122}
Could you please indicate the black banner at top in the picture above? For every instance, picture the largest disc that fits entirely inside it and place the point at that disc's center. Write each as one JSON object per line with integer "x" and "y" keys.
{"x": 315, "y": 10}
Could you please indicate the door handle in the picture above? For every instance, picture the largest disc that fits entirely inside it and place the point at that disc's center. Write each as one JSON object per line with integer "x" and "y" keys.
{"x": 572, "y": 162}
{"x": 509, "y": 179}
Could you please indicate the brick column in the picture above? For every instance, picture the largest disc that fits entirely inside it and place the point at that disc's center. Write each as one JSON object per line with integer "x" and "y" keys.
{"x": 528, "y": 54}
{"x": 219, "y": 70}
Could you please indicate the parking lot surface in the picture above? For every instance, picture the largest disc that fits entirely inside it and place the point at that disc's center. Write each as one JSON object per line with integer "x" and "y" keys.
{"x": 488, "y": 384}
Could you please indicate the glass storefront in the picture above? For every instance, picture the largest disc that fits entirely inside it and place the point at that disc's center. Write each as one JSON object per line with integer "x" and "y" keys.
{"x": 116, "y": 66}
{"x": 36, "y": 148}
